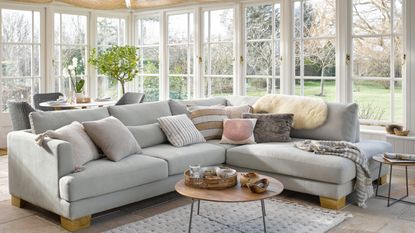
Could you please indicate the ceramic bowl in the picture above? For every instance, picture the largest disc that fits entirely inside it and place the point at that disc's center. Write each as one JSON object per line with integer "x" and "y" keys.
{"x": 226, "y": 172}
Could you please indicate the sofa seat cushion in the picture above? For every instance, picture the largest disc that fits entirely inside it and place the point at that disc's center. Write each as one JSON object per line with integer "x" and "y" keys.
{"x": 104, "y": 176}
{"x": 216, "y": 142}
{"x": 179, "y": 158}
{"x": 370, "y": 148}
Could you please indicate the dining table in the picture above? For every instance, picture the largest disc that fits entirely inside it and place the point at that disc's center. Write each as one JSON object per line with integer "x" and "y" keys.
{"x": 58, "y": 105}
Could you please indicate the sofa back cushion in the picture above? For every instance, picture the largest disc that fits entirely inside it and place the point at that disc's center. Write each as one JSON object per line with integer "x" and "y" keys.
{"x": 140, "y": 114}
{"x": 179, "y": 107}
{"x": 341, "y": 125}
{"x": 241, "y": 100}
{"x": 148, "y": 135}
{"x": 51, "y": 120}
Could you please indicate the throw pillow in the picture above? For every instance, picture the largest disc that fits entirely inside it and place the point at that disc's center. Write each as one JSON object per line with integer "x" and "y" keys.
{"x": 235, "y": 112}
{"x": 180, "y": 130}
{"x": 238, "y": 131}
{"x": 83, "y": 148}
{"x": 209, "y": 121}
{"x": 272, "y": 127}
{"x": 148, "y": 135}
{"x": 113, "y": 137}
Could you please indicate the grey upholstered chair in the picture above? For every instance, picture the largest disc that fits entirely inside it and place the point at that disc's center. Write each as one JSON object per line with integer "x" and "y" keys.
{"x": 131, "y": 98}
{"x": 19, "y": 114}
{"x": 43, "y": 97}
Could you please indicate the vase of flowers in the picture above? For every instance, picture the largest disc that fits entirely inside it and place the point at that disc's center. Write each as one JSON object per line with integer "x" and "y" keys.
{"x": 77, "y": 83}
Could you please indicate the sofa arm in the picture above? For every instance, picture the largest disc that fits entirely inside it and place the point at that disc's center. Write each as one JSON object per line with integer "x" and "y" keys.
{"x": 34, "y": 168}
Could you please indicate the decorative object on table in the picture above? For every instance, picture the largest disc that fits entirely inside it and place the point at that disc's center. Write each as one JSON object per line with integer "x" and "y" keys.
{"x": 246, "y": 178}
{"x": 399, "y": 157}
{"x": 282, "y": 216}
{"x": 271, "y": 127}
{"x": 391, "y": 128}
{"x": 119, "y": 63}
{"x": 238, "y": 131}
{"x": 225, "y": 172}
{"x": 208, "y": 171}
{"x": 259, "y": 186}
{"x": 72, "y": 71}
{"x": 195, "y": 171}
{"x": 403, "y": 133}
{"x": 210, "y": 181}
{"x": 131, "y": 98}
{"x": 43, "y": 97}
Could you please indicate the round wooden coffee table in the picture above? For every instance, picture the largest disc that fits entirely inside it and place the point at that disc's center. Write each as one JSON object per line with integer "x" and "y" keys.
{"x": 234, "y": 194}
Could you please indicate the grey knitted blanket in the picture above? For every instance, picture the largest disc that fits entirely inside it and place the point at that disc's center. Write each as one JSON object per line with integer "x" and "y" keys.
{"x": 363, "y": 185}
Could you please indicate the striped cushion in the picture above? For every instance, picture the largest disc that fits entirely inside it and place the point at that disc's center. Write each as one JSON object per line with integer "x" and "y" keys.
{"x": 180, "y": 131}
{"x": 209, "y": 121}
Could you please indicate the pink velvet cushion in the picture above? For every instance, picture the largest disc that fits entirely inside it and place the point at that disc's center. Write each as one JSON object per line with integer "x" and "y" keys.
{"x": 238, "y": 131}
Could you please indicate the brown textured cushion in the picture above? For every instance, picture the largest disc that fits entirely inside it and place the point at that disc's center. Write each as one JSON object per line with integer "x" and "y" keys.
{"x": 272, "y": 127}
{"x": 113, "y": 137}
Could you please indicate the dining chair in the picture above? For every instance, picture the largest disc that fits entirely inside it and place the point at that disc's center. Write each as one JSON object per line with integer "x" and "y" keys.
{"x": 43, "y": 97}
{"x": 19, "y": 114}
{"x": 131, "y": 98}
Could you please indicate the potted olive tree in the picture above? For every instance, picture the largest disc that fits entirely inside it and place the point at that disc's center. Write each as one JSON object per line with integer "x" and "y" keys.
{"x": 117, "y": 62}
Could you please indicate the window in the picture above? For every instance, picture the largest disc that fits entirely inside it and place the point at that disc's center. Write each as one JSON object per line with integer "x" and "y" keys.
{"x": 20, "y": 55}
{"x": 148, "y": 34}
{"x": 110, "y": 31}
{"x": 314, "y": 48}
{"x": 218, "y": 53}
{"x": 180, "y": 55}
{"x": 262, "y": 49}
{"x": 70, "y": 43}
{"x": 377, "y": 60}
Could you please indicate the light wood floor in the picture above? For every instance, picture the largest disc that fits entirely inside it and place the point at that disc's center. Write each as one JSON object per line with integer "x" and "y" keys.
{"x": 376, "y": 218}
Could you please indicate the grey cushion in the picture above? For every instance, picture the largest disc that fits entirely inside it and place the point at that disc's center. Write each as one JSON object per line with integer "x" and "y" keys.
{"x": 112, "y": 137}
{"x": 180, "y": 130}
{"x": 148, "y": 135}
{"x": 140, "y": 114}
{"x": 177, "y": 108}
{"x": 104, "y": 176}
{"x": 283, "y": 158}
{"x": 339, "y": 126}
{"x": 272, "y": 127}
{"x": 241, "y": 100}
{"x": 179, "y": 159}
{"x": 43, "y": 121}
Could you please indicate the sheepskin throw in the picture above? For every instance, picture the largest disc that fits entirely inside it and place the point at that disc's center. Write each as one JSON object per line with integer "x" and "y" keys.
{"x": 309, "y": 113}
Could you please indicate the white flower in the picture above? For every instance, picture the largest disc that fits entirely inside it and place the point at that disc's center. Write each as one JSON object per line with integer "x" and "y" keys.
{"x": 65, "y": 73}
{"x": 71, "y": 67}
{"x": 75, "y": 62}
{"x": 73, "y": 73}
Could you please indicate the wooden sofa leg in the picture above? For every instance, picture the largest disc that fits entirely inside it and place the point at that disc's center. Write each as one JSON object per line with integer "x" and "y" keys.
{"x": 16, "y": 201}
{"x": 333, "y": 204}
{"x": 383, "y": 180}
{"x": 76, "y": 224}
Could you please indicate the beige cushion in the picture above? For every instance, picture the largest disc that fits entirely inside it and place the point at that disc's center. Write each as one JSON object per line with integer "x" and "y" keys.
{"x": 237, "y": 111}
{"x": 180, "y": 130}
{"x": 114, "y": 138}
{"x": 209, "y": 121}
{"x": 83, "y": 149}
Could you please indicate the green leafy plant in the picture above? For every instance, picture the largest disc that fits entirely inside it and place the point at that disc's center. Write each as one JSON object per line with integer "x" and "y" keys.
{"x": 70, "y": 71}
{"x": 118, "y": 62}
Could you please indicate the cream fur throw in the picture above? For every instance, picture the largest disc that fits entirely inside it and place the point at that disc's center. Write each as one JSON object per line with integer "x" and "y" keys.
{"x": 309, "y": 113}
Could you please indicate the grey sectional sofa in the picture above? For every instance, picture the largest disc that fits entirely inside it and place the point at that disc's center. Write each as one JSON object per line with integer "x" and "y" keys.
{"x": 45, "y": 176}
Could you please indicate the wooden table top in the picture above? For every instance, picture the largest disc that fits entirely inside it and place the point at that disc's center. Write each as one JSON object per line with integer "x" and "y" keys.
{"x": 380, "y": 159}
{"x": 234, "y": 194}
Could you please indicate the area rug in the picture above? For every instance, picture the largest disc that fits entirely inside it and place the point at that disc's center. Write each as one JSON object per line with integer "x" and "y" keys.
{"x": 282, "y": 217}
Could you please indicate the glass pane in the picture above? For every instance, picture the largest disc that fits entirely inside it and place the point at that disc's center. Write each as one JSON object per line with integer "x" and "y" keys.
{"x": 277, "y": 84}
{"x": 371, "y": 57}
{"x": 71, "y": 53}
{"x": 149, "y": 31}
{"x": 56, "y": 61}
{"x": 74, "y": 29}
{"x": 221, "y": 59}
{"x": 319, "y": 58}
{"x": 191, "y": 27}
{"x": 398, "y": 57}
{"x": 122, "y": 32}
{"x": 258, "y": 22}
{"x": 178, "y": 28}
{"x": 277, "y": 20}
{"x": 259, "y": 58}
{"x": 17, "y": 26}
{"x": 214, "y": 86}
{"x": 107, "y": 31}
{"x": 57, "y": 28}
{"x": 36, "y": 60}
{"x": 221, "y": 25}
{"x": 297, "y": 19}
{"x": 373, "y": 98}
{"x": 178, "y": 59}
{"x": 258, "y": 86}
{"x": 325, "y": 89}
{"x": 151, "y": 88}
{"x": 36, "y": 27}
{"x": 277, "y": 58}
{"x": 16, "y": 60}
{"x": 397, "y": 17}
{"x": 371, "y": 17}
{"x": 107, "y": 88}
{"x": 297, "y": 58}
{"x": 16, "y": 89}
{"x": 319, "y": 18}
{"x": 398, "y": 105}
{"x": 150, "y": 60}
{"x": 180, "y": 87}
